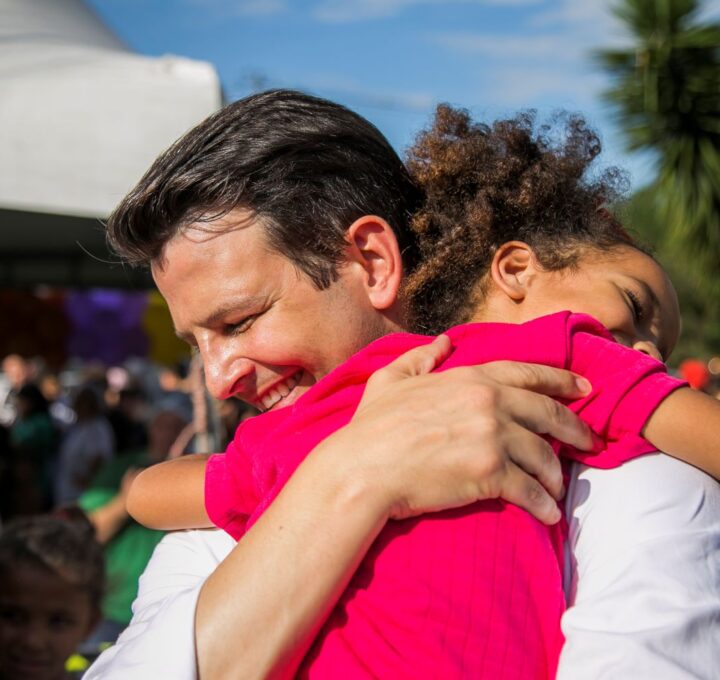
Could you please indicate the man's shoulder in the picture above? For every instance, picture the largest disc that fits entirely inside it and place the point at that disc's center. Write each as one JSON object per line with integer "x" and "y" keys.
{"x": 199, "y": 548}
{"x": 655, "y": 489}
{"x": 644, "y": 571}
{"x": 653, "y": 502}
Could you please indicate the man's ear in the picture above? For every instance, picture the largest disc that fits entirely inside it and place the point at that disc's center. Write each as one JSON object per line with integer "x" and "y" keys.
{"x": 513, "y": 268}
{"x": 374, "y": 248}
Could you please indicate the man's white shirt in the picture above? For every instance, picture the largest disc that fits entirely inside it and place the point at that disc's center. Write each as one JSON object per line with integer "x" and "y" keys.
{"x": 642, "y": 578}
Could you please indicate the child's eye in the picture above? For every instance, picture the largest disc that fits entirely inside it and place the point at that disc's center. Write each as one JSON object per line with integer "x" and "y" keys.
{"x": 61, "y": 622}
{"x": 637, "y": 308}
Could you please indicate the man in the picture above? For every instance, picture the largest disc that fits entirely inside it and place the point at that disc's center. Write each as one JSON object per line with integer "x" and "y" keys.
{"x": 278, "y": 233}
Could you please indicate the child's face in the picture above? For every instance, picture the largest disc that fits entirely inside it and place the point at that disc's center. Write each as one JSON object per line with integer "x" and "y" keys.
{"x": 626, "y": 290}
{"x": 42, "y": 621}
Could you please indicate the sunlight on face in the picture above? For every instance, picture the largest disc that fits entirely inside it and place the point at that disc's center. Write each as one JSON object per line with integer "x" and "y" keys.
{"x": 624, "y": 289}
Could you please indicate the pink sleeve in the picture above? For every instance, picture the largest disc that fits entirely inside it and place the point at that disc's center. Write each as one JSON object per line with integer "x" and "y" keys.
{"x": 627, "y": 388}
{"x": 230, "y": 496}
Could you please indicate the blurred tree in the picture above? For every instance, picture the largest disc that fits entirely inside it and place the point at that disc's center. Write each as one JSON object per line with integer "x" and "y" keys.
{"x": 666, "y": 91}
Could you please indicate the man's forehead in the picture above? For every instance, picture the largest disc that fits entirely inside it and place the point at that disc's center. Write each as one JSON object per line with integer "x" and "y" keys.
{"x": 204, "y": 230}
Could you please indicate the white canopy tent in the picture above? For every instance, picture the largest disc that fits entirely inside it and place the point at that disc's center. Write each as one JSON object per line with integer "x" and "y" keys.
{"x": 81, "y": 118}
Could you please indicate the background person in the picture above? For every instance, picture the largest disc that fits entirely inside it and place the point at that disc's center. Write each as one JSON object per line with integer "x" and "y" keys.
{"x": 51, "y": 583}
{"x": 16, "y": 372}
{"x": 34, "y": 442}
{"x": 87, "y": 445}
{"x": 127, "y": 545}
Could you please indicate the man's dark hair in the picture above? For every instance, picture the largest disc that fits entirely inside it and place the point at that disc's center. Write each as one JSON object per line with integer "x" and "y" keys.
{"x": 306, "y": 167}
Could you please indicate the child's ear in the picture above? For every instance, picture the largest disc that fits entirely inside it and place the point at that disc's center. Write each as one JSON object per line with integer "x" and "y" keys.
{"x": 374, "y": 247}
{"x": 513, "y": 268}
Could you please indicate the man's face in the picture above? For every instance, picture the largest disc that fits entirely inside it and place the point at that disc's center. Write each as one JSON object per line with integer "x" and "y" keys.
{"x": 264, "y": 331}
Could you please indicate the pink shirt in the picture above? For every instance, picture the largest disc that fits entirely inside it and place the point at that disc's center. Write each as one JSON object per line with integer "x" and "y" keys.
{"x": 469, "y": 593}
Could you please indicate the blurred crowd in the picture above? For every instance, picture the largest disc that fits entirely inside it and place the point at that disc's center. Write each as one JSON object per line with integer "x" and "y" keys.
{"x": 71, "y": 443}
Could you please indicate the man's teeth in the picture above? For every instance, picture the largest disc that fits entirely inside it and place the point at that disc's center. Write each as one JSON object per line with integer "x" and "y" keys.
{"x": 278, "y": 392}
{"x": 271, "y": 398}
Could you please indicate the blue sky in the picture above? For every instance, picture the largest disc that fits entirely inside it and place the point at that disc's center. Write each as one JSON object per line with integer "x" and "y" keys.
{"x": 393, "y": 60}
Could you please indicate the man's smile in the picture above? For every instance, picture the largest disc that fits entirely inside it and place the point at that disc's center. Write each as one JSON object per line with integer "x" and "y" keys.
{"x": 279, "y": 394}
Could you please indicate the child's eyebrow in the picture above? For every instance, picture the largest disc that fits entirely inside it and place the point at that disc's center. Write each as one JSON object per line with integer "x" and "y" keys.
{"x": 648, "y": 291}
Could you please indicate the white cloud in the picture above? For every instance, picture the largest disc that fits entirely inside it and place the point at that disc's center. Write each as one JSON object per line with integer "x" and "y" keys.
{"x": 519, "y": 87}
{"x": 256, "y": 7}
{"x": 362, "y": 95}
{"x": 502, "y": 47}
{"x": 590, "y": 22}
{"x": 567, "y": 30}
{"x": 510, "y": 3}
{"x": 709, "y": 11}
{"x": 243, "y": 7}
{"x": 546, "y": 57}
{"x": 334, "y": 86}
{"x": 347, "y": 11}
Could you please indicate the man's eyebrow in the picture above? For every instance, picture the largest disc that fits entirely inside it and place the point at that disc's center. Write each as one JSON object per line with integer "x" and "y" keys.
{"x": 237, "y": 306}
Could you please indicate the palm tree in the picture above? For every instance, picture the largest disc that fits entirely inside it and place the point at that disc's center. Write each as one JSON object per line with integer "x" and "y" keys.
{"x": 666, "y": 92}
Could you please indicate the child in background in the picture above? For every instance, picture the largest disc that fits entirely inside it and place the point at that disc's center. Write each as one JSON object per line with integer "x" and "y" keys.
{"x": 51, "y": 585}
{"x": 514, "y": 237}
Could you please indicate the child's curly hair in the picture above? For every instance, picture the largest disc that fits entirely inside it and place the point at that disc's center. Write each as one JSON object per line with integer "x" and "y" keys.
{"x": 489, "y": 184}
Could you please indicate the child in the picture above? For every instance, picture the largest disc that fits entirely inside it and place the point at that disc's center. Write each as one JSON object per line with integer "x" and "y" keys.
{"x": 51, "y": 584}
{"x": 512, "y": 237}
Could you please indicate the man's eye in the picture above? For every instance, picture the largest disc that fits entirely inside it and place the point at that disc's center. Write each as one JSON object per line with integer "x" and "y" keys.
{"x": 240, "y": 326}
{"x": 637, "y": 308}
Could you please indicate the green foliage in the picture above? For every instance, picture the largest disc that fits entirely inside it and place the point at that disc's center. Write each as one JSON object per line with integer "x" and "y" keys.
{"x": 666, "y": 93}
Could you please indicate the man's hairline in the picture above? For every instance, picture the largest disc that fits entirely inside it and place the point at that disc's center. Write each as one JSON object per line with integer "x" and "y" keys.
{"x": 183, "y": 227}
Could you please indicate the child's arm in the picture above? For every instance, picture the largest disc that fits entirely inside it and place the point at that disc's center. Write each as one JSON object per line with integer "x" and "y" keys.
{"x": 171, "y": 495}
{"x": 686, "y": 425}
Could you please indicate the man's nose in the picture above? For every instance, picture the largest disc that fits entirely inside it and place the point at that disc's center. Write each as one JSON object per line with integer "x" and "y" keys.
{"x": 648, "y": 348}
{"x": 225, "y": 371}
